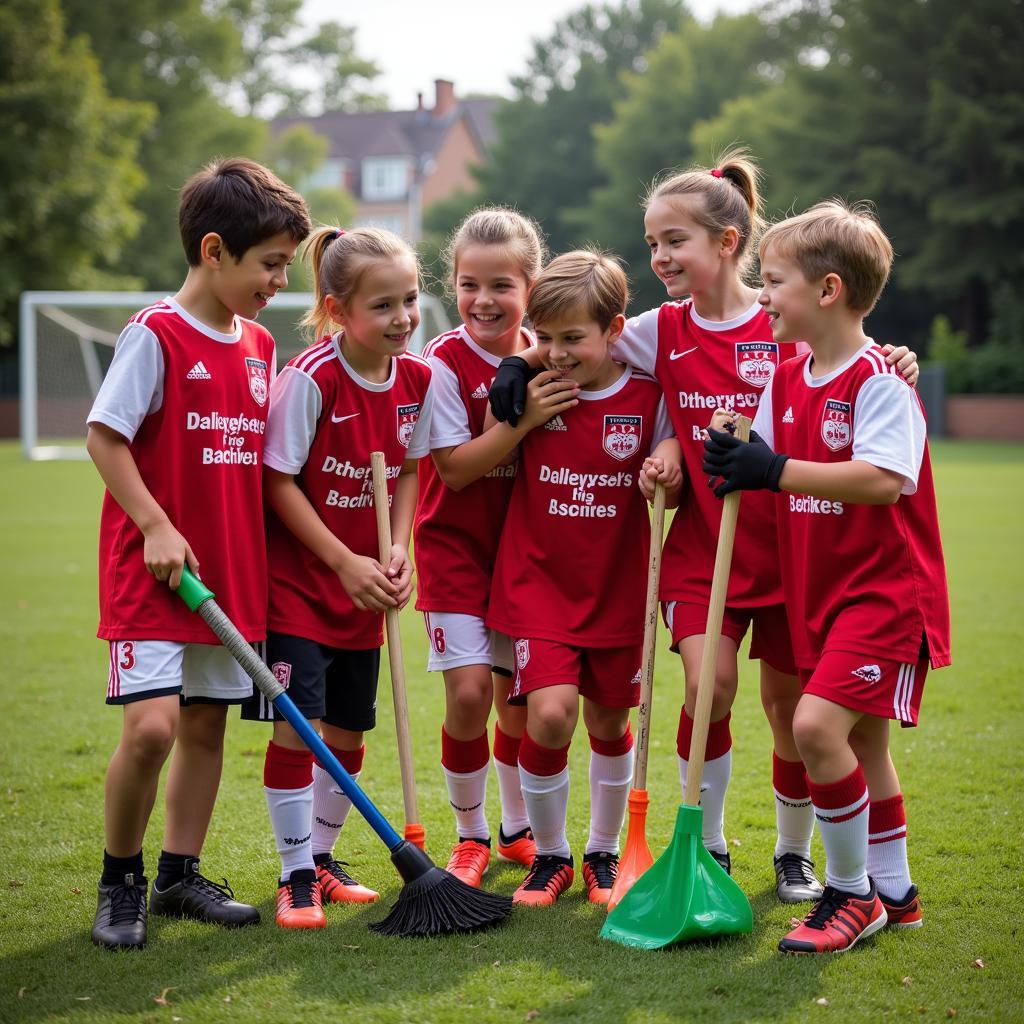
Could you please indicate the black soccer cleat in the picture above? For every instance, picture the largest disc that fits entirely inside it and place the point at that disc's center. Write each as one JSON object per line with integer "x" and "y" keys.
{"x": 120, "y": 921}
{"x": 198, "y": 898}
{"x": 795, "y": 881}
{"x": 723, "y": 860}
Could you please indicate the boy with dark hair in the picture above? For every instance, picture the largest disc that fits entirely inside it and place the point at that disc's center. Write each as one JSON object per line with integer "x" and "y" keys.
{"x": 861, "y": 558}
{"x": 176, "y": 432}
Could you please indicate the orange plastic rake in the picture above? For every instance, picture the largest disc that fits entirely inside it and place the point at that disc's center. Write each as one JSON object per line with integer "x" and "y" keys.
{"x": 414, "y": 831}
{"x": 636, "y": 857}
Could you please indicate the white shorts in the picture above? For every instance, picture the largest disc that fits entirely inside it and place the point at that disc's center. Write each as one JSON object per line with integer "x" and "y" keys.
{"x": 457, "y": 640}
{"x": 140, "y": 669}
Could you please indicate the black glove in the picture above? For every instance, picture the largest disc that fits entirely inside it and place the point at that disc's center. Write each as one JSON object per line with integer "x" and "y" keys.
{"x": 508, "y": 390}
{"x": 742, "y": 465}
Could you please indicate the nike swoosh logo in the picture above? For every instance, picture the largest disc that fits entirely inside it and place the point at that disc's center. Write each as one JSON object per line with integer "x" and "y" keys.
{"x": 341, "y": 419}
{"x": 679, "y": 355}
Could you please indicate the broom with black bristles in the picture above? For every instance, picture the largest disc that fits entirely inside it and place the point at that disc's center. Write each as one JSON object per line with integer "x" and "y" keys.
{"x": 432, "y": 902}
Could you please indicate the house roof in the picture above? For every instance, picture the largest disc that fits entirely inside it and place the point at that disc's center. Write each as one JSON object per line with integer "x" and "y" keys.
{"x": 412, "y": 133}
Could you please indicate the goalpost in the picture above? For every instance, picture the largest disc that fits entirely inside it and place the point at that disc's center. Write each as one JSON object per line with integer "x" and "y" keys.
{"x": 67, "y": 341}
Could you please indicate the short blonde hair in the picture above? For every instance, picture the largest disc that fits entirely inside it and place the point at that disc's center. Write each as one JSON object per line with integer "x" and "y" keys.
{"x": 727, "y": 195}
{"x": 503, "y": 227}
{"x": 834, "y": 238}
{"x": 586, "y": 280}
{"x": 338, "y": 258}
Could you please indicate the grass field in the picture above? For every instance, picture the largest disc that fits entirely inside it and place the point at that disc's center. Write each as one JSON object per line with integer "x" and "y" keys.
{"x": 962, "y": 775}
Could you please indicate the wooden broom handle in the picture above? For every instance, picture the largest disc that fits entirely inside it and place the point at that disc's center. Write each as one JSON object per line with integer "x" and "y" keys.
{"x": 643, "y": 722}
{"x": 383, "y": 508}
{"x": 713, "y": 636}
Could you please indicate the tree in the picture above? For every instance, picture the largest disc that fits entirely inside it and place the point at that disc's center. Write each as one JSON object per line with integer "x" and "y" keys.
{"x": 67, "y": 169}
{"x": 543, "y": 159}
{"x": 344, "y": 77}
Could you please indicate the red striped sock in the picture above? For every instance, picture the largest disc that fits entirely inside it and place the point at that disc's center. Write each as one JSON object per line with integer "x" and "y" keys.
{"x": 887, "y": 847}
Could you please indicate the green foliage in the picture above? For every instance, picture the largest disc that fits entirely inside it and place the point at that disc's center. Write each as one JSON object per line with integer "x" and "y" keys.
{"x": 995, "y": 368}
{"x": 948, "y": 348}
{"x": 68, "y": 173}
{"x": 343, "y": 77}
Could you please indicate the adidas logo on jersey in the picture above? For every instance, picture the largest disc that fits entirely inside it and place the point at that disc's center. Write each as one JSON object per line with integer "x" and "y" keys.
{"x": 787, "y": 416}
{"x": 199, "y": 372}
{"x": 555, "y": 424}
{"x": 481, "y": 391}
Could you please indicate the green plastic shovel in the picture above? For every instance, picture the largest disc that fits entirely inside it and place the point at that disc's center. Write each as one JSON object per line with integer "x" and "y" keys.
{"x": 685, "y": 896}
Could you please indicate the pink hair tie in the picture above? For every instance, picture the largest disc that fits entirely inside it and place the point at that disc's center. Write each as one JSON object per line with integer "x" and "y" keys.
{"x": 337, "y": 234}
{"x": 716, "y": 173}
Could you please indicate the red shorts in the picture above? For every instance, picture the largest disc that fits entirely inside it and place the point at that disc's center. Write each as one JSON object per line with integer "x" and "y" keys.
{"x": 770, "y": 641}
{"x": 875, "y": 686}
{"x": 609, "y": 676}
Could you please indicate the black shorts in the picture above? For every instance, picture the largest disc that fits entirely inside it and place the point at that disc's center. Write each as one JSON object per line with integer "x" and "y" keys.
{"x": 337, "y": 686}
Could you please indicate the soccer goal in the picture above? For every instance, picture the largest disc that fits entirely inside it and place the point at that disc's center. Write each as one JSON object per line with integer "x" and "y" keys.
{"x": 67, "y": 342}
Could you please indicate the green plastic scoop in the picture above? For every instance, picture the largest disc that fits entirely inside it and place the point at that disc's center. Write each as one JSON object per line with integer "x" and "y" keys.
{"x": 685, "y": 896}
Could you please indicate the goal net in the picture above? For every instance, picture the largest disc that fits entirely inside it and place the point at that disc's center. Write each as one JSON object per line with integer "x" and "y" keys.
{"x": 67, "y": 342}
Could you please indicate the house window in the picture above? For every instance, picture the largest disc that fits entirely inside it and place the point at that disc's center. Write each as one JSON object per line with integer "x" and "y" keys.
{"x": 385, "y": 178}
{"x": 330, "y": 174}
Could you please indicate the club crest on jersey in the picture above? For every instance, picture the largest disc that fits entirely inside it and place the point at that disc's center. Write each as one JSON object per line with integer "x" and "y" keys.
{"x": 756, "y": 361}
{"x": 407, "y": 417}
{"x": 836, "y": 425}
{"x": 258, "y": 387}
{"x": 869, "y": 673}
{"x": 522, "y": 653}
{"x": 622, "y": 435}
{"x": 282, "y": 672}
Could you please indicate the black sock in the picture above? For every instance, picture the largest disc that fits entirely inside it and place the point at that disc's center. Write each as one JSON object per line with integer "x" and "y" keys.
{"x": 115, "y": 868}
{"x": 172, "y": 868}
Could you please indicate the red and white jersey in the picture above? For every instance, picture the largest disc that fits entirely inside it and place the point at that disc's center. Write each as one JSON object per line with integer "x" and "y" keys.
{"x": 325, "y": 420}
{"x": 457, "y": 533}
{"x": 192, "y": 404}
{"x": 572, "y": 564}
{"x": 864, "y": 579}
{"x": 703, "y": 365}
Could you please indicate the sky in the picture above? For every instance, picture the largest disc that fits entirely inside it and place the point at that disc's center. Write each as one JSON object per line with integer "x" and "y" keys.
{"x": 478, "y": 44}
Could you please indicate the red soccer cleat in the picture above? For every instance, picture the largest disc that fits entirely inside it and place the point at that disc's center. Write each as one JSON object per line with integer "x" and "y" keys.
{"x": 298, "y": 901}
{"x": 838, "y": 921}
{"x": 548, "y": 878}
{"x": 469, "y": 861}
{"x": 338, "y": 886}
{"x": 905, "y": 913}
{"x": 518, "y": 848}
{"x": 599, "y": 871}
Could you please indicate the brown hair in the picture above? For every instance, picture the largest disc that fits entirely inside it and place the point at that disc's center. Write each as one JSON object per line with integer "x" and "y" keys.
{"x": 730, "y": 198}
{"x": 834, "y": 238}
{"x": 585, "y": 280}
{"x": 241, "y": 201}
{"x": 503, "y": 226}
{"x": 338, "y": 258}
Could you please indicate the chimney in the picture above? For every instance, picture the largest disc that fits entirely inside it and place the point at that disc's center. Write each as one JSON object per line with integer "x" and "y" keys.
{"x": 444, "y": 97}
{"x": 419, "y": 102}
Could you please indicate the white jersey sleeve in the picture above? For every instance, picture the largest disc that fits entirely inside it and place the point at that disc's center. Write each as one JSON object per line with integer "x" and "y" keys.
{"x": 295, "y": 406}
{"x": 449, "y": 421}
{"x": 638, "y": 343}
{"x": 662, "y": 425}
{"x": 134, "y": 385}
{"x": 419, "y": 443}
{"x": 762, "y": 424}
{"x": 889, "y": 429}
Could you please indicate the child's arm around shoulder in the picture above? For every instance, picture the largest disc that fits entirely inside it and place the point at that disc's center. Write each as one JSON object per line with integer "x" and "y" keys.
{"x": 548, "y": 395}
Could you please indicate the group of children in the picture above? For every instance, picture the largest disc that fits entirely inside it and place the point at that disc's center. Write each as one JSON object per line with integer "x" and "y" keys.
{"x": 531, "y": 536}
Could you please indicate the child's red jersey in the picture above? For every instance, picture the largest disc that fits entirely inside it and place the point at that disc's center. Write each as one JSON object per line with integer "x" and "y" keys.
{"x": 325, "y": 420}
{"x": 194, "y": 417}
{"x": 572, "y": 562}
{"x": 457, "y": 533}
{"x": 864, "y": 579}
{"x": 703, "y": 365}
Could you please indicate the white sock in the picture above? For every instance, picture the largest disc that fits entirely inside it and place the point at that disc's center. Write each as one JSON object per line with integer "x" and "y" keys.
{"x": 844, "y": 833}
{"x": 794, "y": 820}
{"x": 547, "y": 802}
{"x": 290, "y": 813}
{"x": 610, "y": 780}
{"x": 713, "y": 786}
{"x": 513, "y": 810}
{"x": 330, "y": 809}
{"x": 467, "y": 793}
{"x": 887, "y": 848}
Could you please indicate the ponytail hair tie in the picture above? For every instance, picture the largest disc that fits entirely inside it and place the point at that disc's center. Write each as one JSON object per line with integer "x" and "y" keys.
{"x": 337, "y": 233}
{"x": 716, "y": 173}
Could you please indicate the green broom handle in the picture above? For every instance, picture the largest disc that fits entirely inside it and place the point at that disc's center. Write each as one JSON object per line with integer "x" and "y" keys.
{"x": 713, "y": 636}
{"x": 643, "y": 720}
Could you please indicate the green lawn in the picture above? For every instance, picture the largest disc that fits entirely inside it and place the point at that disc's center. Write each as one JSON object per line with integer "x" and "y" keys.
{"x": 962, "y": 775}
